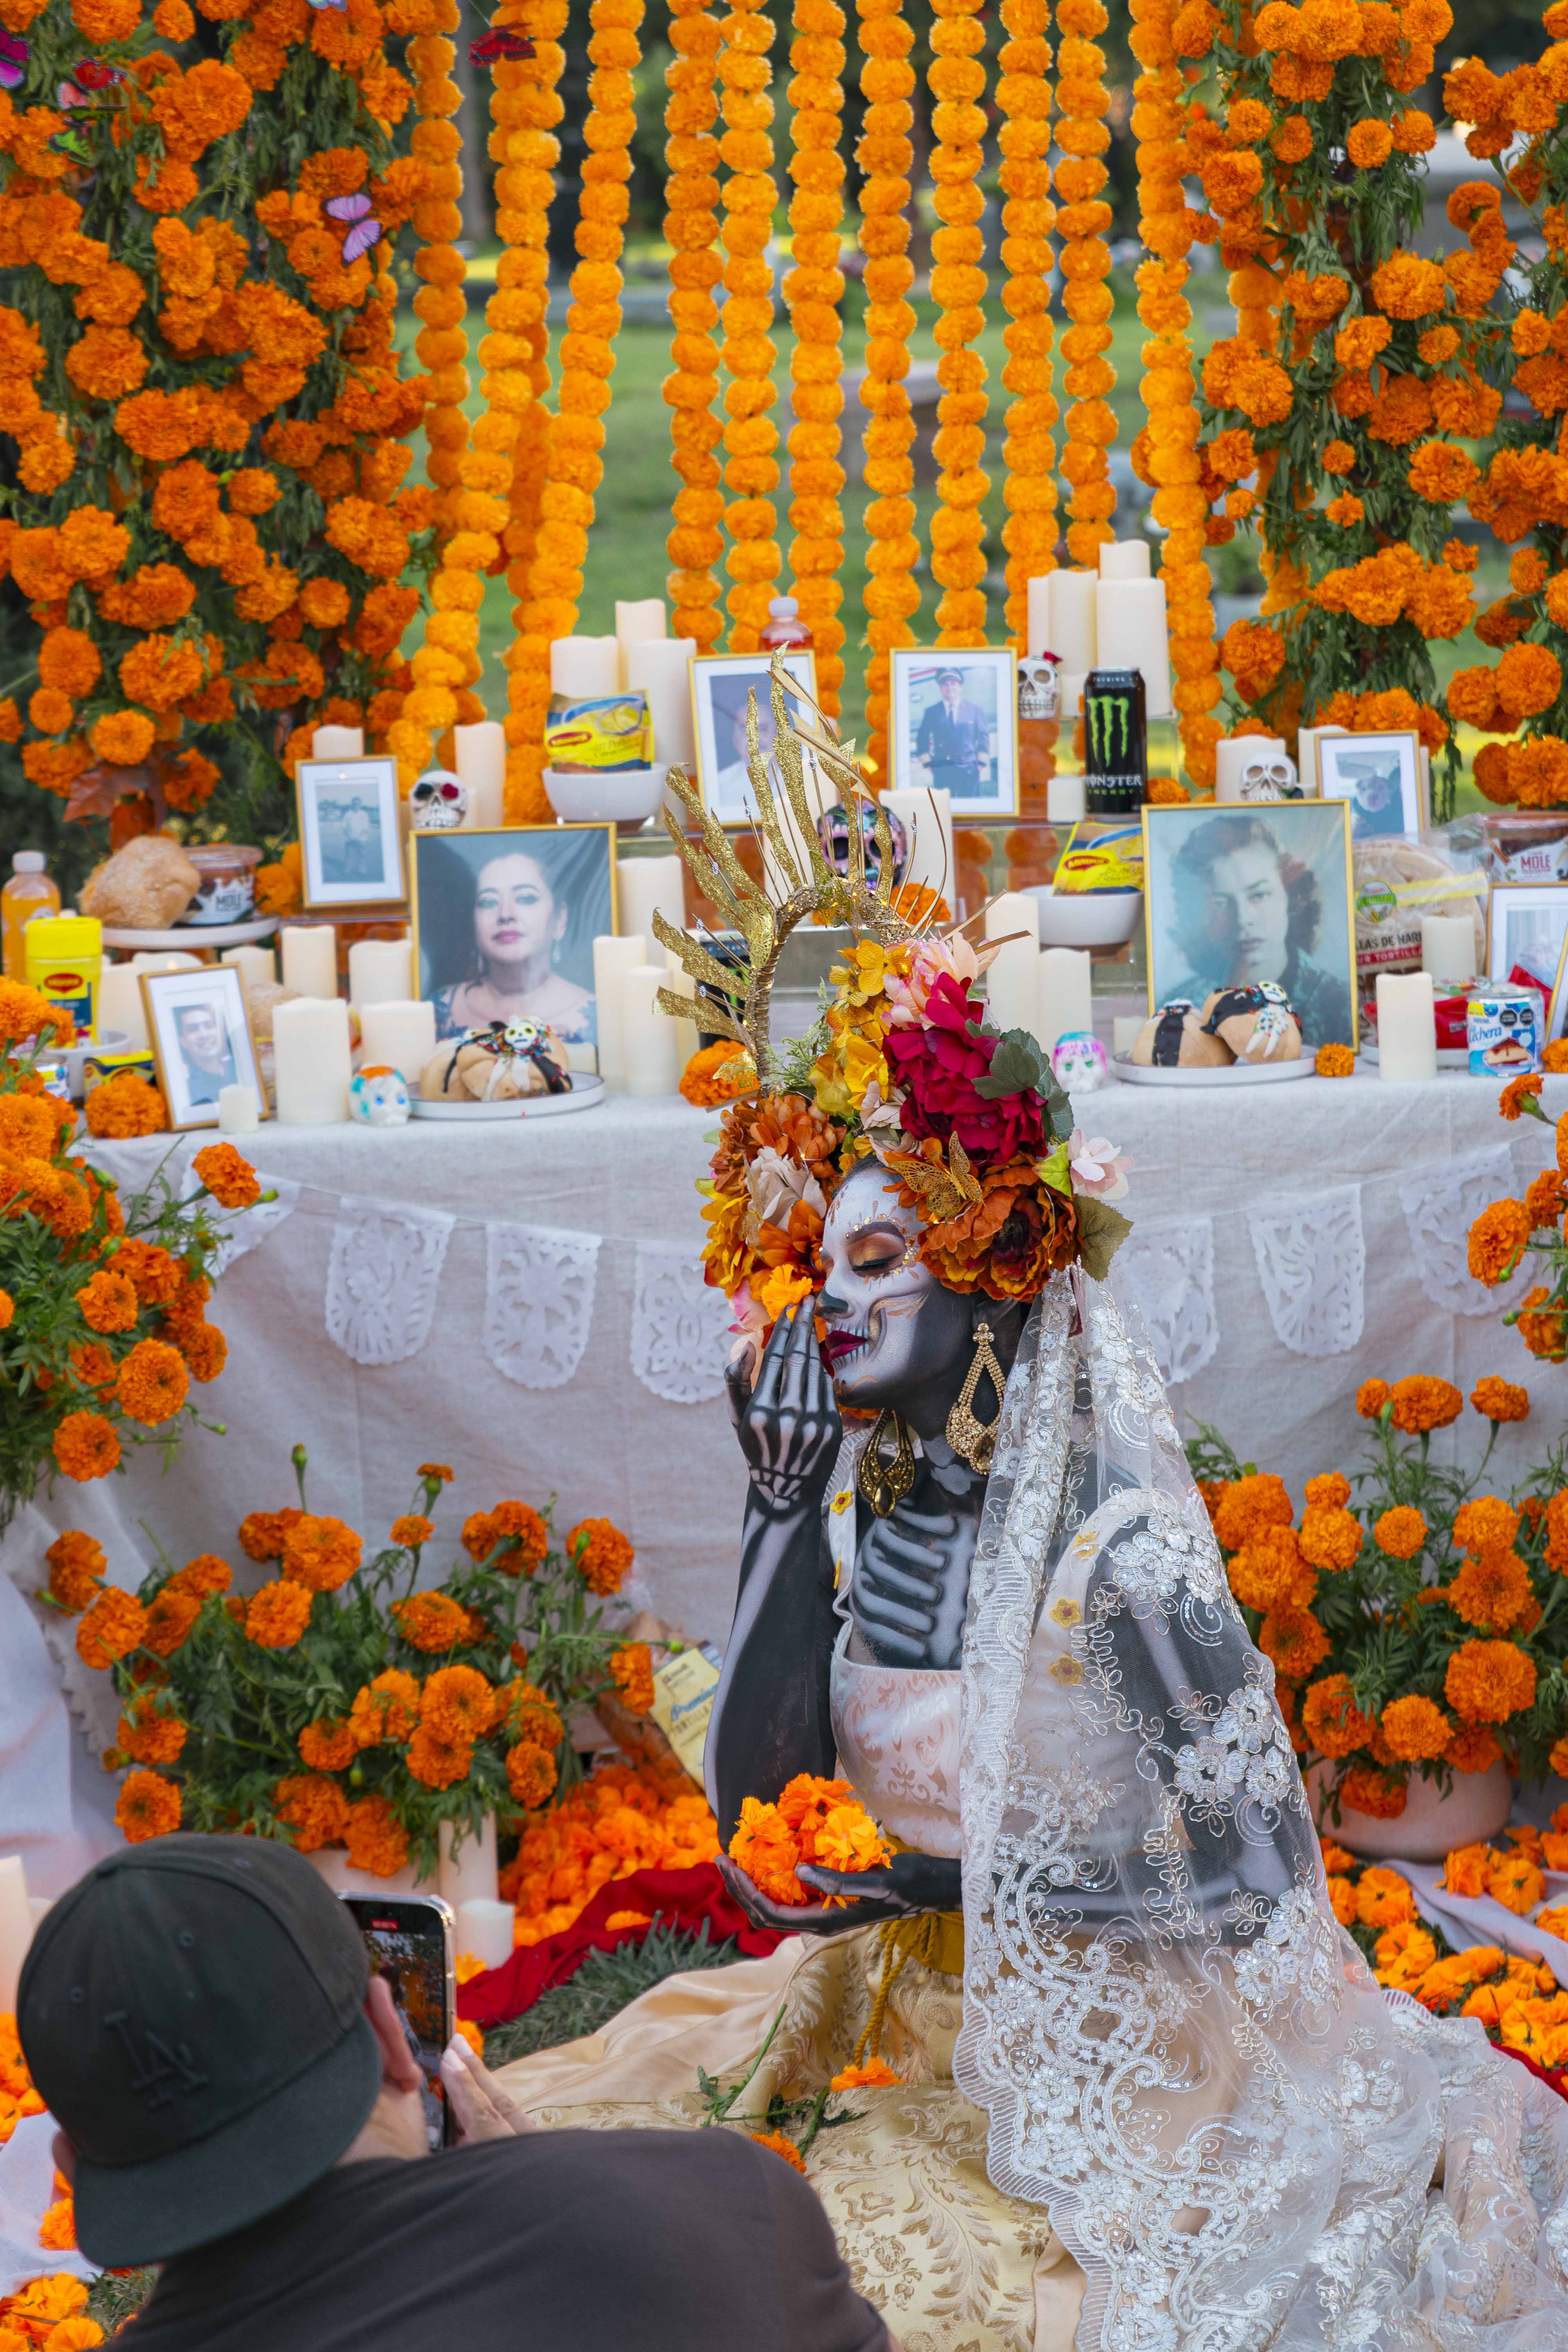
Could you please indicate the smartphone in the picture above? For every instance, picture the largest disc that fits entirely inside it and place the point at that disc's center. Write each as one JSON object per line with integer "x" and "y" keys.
{"x": 409, "y": 1940}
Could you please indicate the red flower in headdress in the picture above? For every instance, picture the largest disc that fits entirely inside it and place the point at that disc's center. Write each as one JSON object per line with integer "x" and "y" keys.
{"x": 939, "y": 1067}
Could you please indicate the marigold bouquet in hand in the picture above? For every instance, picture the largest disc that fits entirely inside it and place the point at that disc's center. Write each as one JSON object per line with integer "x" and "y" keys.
{"x": 346, "y": 1703}
{"x": 102, "y": 1303}
{"x": 1421, "y": 1630}
{"x": 815, "y": 1821}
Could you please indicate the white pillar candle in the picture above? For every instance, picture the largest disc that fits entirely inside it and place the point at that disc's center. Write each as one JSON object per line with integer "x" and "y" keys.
{"x": 1037, "y": 628}
{"x": 680, "y": 983}
{"x": 1306, "y": 758}
{"x": 379, "y": 970}
{"x": 584, "y": 666}
{"x": 650, "y": 1040}
{"x": 486, "y": 1930}
{"x": 926, "y": 816}
{"x": 468, "y": 1875}
{"x": 1073, "y": 620}
{"x": 1448, "y": 947}
{"x": 310, "y": 958}
{"x": 648, "y": 886}
{"x": 637, "y": 623}
{"x": 15, "y": 1929}
{"x": 479, "y": 755}
{"x": 338, "y": 743}
{"x": 1406, "y": 1027}
{"x": 612, "y": 958}
{"x": 120, "y": 1004}
{"x": 401, "y": 1032}
{"x": 1124, "y": 559}
{"x": 311, "y": 1061}
{"x": 661, "y": 666}
{"x": 1233, "y": 752}
{"x": 1132, "y": 634}
{"x": 238, "y": 1112}
{"x": 1012, "y": 991}
{"x": 172, "y": 961}
{"x": 256, "y": 967}
{"x": 581, "y": 1055}
{"x": 1066, "y": 1001}
{"x": 1125, "y": 1031}
{"x": 1067, "y": 799}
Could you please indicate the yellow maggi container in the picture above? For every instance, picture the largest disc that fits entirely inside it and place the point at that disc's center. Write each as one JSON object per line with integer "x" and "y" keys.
{"x": 64, "y": 958}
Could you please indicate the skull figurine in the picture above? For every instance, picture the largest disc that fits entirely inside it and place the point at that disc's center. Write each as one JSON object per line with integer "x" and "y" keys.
{"x": 1039, "y": 686}
{"x": 438, "y": 802}
{"x": 1270, "y": 777}
{"x": 1078, "y": 1063}
{"x": 378, "y": 1095}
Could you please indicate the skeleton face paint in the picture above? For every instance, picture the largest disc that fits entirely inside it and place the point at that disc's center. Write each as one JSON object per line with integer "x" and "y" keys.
{"x": 892, "y": 1326}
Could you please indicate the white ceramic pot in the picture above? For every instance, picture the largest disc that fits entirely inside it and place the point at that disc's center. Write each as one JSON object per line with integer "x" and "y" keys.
{"x": 1431, "y": 1825}
{"x": 469, "y": 1875}
{"x": 626, "y": 795}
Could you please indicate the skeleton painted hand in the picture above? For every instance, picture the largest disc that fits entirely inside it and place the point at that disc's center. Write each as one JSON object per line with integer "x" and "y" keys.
{"x": 788, "y": 1426}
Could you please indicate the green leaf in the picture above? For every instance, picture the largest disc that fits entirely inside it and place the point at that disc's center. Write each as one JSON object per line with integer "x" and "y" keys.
{"x": 1101, "y": 1231}
{"x": 1057, "y": 1172}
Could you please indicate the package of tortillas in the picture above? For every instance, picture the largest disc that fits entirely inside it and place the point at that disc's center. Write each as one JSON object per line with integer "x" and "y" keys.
{"x": 1398, "y": 881}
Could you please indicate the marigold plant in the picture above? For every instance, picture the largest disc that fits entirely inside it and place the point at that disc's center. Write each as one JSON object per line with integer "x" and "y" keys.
{"x": 1503, "y": 1236}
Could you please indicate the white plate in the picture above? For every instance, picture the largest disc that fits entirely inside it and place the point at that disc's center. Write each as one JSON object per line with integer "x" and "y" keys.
{"x": 586, "y": 1091}
{"x": 190, "y": 936}
{"x": 1086, "y": 919}
{"x": 1240, "y": 1074}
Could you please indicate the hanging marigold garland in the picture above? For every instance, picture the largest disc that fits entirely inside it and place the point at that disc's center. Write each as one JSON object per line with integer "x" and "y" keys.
{"x": 1082, "y": 137}
{"x": 751, "y": 436}
{"x": 1023, "y": 137}
{"x": 885, "y": 155}
{"x": 691, "y": 230}
{"x": 1169, "y": 443}
{"x": 957, "y": 79}
{"x": 814, "y": 290}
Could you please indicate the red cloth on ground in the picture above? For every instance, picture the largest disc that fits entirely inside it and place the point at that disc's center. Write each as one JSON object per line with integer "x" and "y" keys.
{"x": 681, "y": 1899}
{"x": 1551, "y": 2076}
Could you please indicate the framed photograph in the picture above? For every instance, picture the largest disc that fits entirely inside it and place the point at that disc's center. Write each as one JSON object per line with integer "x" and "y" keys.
{"x": 351, "y": 849}
{"x": 1380, "y": 776}
{"x": 719, "y": 686}
{"x": 1526, "y": 941}
{"x": 955, "y": 725}
{"x": 1233, "y": 896}
{"x": 199, "y": 1030}
{"x": 504, "y": 925}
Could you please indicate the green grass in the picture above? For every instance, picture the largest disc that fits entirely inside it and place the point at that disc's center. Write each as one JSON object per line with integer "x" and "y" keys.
{"x": 603, "y": 1985}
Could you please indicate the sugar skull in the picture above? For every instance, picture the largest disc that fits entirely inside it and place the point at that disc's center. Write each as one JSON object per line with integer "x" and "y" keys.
{"x": 1078, "y": 1063}
{"x": 1270, "y": 777}
{"x": 1039, "y": 687}
{"x": 438, "y": 802}
{"x": 833, "y": 832}
{"x": 378, "y": 1097}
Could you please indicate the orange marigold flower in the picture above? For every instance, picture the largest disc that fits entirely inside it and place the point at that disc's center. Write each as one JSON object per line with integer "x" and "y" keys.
{"x": 1422, "y": 1402}
{"x": 1498, "y": 1399}
{"x": 442, "y": 1471}
{"x": 109, "y": 1302}
{"x": 149, "y": 1807}
{"x": 764, "y": 1847}
{"x": 1367, "y": 1789}
{"x": 875, "y": 2075}
{"x": 633, "y": 1670}
{"x": 1331, "y": 1719}
{"x": 1473, "y": 1749}
{"x": 1519, "y": 1093}
{"x": 1330, "y": 1491}
{"x": 849, "y": 1840}
{"x": 1486, "y": 1524}
{"x": 386, "y": 1708}
{"x": 156, "y": 1274}
{"x": 1269, "y": 1573}
{"x": 1369, "y": 144}
{"x": 531, "y": 1775}
{"x": 523, "y": 1713}
{"x": 262, "y": 1534}
{"x": 327, "y": 1746}
{"x": 1251, "y": 1504}
{"x": 320, "y": 1553}
{"x": 150, "y": 1736}
{"x": 1487, "y": 1682}
{"x": 1492, "y": 1590}
{"x": 277, "y": 1615}
{"x": 1415, "y": 1730}
{"x": 1371, "y": 1398}
{"x": 1542, "y": 1326}
{"x": 459, "y": 1703}
{"x": 1383, "y": 1899}
{"x": 152, "y": 1383}
{"x": 781, "y": 2146}
{"x": 437, "y": 1758}
{"x": 316, "y": 1810}
{"x": 170, "y": 1616}
{"x": 227, "y": 1175}
{"x": 114, "y": 1626}
{"x": 86, "y": 1445}
{"x": 601, "y": 1555}
{"x": 376, "y": 1839}
{"x": 77, "y": 1567}
{"x": 1341, "y": 1896}
{"x": 1403, "y": 1954}
{"x": 1294, "y": 1640}
{"x": 431, "y": 1621}
{"x": 517, "y": 1527}
{"x": 1336, "y": 1062}
{"x": 1464, "y": 1869}
{"x": 1514, "y": 1881}
{"x": 409, "y": 1532}
{"x": 717, "y": 1074}
{"x": 1330, "y": 1539}
{"x": 1497, "y": 1241}
{"x": 1557, "y": 1532}
{"x": 1400, "y": 1532}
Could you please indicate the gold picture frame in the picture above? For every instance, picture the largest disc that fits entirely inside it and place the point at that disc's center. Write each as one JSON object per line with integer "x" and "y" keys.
{"x": 326, "y": 794}
{"x": 177, "y": 1056}
{"x": 444, "y": 921}
{"x": 1410, "y": 778}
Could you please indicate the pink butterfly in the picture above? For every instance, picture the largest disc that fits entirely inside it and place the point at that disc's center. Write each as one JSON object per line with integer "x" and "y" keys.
{"x": 363, "y": 228}
{"x": 12, "y": 59}
{"x": 501, "y": 41}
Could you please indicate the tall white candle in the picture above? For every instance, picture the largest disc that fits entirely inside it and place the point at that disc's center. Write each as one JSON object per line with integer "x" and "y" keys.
{"x": 120, "y": 1004}
{"x": 311, "y": 1061}
{"x": 926, "y": 816}
{"x": 486, "y": 1930}
{"x": 680, "y": 983}
{"x": 1012, "y": 991}
{"x": 1124, "y": 559}
{"x": 635, "y": 623}
{"x": 611, "y": 958}
{"x": 379, "y": 970}
{"x": 581, "y": 1055}
{"x": 402, "y": 1031}
{"x": 338, "y": 743}
{"x": 1234, "y": 753}
{"x": 1132, "y": 634}
{"x": 238, "y": 1112}
{"x": 1073, "y": 619}
{"x": 650, "y": 1040}
{"x": 1406, "y": 1027}
{"x": 1037, "y": 636}
{"x": 661, "y": 666}
{"x": 310, "y": 958}
{"x": 15, "y": 1929}
{"x": 1065, "y": 998}
{"x": 582, "y": 667}
{"x": 648, "y": 886}
{"x": 1448, "y": 947}
{"x": 1067, "y": 799}
{"x": 478, "y": 754}
{"x": 256, "y": 967}
{"x": 172, "y": 961}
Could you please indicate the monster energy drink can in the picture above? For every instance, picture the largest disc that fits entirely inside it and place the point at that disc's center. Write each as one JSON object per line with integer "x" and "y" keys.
{"x": 1116, "y": 741}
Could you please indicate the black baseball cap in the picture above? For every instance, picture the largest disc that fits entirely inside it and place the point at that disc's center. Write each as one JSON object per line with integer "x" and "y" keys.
{"x": 192, "y": 2013}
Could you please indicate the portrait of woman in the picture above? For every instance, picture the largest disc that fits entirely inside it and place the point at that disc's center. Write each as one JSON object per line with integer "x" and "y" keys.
{"x": 505, "y": 923}
{"x": 1236, "y": 900}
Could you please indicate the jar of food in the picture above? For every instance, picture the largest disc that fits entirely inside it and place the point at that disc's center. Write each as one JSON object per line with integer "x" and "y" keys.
{"x": 1525, "y": 845}
{"x": 228, "y": 892}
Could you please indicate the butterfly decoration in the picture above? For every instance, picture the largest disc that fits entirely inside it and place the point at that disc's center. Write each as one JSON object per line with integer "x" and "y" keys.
{"x": 362, "y": 229}
{"x": 12, "y": 59}
{"x": 501, "y": 41}
{"x": 93, "y": 74}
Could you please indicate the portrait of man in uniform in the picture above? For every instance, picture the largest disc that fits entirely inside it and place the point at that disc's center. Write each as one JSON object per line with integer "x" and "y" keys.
{"x": 953, "y": 726}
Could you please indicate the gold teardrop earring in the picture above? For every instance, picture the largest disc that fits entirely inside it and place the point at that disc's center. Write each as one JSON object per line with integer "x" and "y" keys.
{"x": 885, "y": 1484}
{"x": 976, "y": 1440}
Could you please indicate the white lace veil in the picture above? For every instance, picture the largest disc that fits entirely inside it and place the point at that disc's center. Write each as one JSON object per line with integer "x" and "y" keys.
{"x": 1182, "y": 2052}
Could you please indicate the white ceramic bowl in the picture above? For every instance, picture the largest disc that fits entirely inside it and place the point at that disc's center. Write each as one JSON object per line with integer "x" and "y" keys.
{"x": 1102, "y": 919}
{"x": 628, "y": 795}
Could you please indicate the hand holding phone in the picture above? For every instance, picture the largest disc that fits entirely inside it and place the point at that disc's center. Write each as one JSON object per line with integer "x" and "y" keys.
{"x": 483, "y": 2110}
{"x": 409, "y": 1941}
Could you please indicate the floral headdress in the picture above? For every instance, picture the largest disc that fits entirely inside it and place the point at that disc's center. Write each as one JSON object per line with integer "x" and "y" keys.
{"x": 975, "y": 1133}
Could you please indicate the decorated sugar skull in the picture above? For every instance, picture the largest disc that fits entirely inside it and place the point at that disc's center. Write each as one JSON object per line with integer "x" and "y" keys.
{"x": 833, "y": 832}
{"x": 1039, "y": 689}
{"x": 1271, "y": 776}
{"x": 1078, "y": 1062}
{"x": 438, "y": 802}
{"x": 378, "y": 1097}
